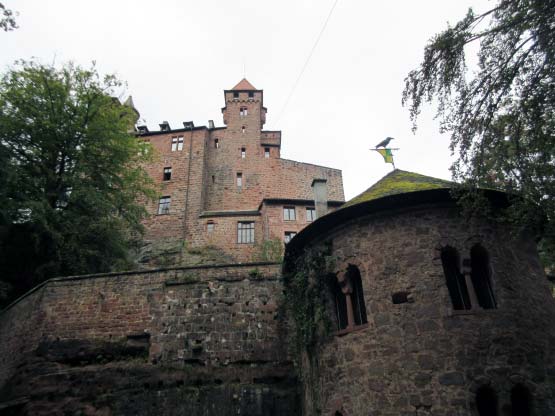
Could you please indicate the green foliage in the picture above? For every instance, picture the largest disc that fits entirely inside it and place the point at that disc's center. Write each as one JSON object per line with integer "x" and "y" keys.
{"x": 502, "y": 117}
{"x": 307, "y": 296}
{"x": 269, "y": 251}
{"x": 71, "y": 174}
{"x": 7, "y": 19}
{"x": 255, "y": 274}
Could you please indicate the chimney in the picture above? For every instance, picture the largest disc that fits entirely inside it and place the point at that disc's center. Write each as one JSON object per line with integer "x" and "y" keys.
{"x": 164, "y": 126}
{"x": 142, "y": 129}
{"x": 320, "y": 190}
{"x": 210, "y": 124}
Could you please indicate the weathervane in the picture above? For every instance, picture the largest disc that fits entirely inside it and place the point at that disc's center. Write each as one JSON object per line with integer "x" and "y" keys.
{"x": 385, "y": 151}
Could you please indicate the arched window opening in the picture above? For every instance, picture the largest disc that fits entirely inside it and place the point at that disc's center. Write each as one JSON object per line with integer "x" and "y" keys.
{"x": 481, "y": 277}
{"x": 340, "y": 305}
{"x": 521, "y": 401}
{"x": 350, "y": 309}
{"x": 486, "y": 401}
{"x": 456, "y": 284}
{"x": 338, "y": 413}
{"x": 357, "y": 296}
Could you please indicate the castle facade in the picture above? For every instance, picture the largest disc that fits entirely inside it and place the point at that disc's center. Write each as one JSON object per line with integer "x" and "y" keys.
{"x": 228, "y": 187}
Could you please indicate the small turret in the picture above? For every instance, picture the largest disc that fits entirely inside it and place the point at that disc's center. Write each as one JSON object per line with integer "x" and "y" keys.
{"x": 244, "y": 107}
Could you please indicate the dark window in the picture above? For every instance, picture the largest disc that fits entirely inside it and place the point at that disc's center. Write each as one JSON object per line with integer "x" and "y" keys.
{"x": 251, "y": 94}
{"x": 340, "y": 305}
{"x": 289, "y": 213}
{"x": 310, "y": 214}
{"x": 164, "y": 205}
{"x": 213, "y": 179}
{"x": 243, "y": 153}
{"x": 235, "y": 94}
{"x": 243, "y": 111}
{"x": 357, "y": 296}
{"x": 167, "y": 173}
{"x": 521, "y": 401}
{"x": 239, "y": 179}
{"x": 243, "y": 129}
{"x": 350, "y": 308}
{"x": 216, "y": 143}
{"x": 210, "y": 226}
{"x": 245, "y": 232}
{"x": 456, "y": 283}
{"x": 486, "y": 401}
{"x": 400, "y": 297}
{"x": 288, "y": 236}
{"x": 266, "y": 152}
{"x": 481, "y": 277}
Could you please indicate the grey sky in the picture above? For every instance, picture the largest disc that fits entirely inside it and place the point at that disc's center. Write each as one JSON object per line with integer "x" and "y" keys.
{"x": 179, "y": 56}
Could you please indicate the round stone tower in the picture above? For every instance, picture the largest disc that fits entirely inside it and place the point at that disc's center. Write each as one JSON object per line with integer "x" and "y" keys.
{"x": 431, "y": 314}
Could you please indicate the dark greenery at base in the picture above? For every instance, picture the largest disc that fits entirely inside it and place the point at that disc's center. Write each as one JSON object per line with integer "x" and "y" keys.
{"x": 307, "y": 296}
{"x": 501, "y": 118}
{"x": 307, "y": 302}
{"x": 70, "y": 174}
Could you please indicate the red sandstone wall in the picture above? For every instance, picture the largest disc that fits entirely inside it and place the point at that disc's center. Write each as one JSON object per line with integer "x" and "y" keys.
{"x": 186, "y": 182}
{"x": 204, "y": 179}
{"x": 76, "y": 341}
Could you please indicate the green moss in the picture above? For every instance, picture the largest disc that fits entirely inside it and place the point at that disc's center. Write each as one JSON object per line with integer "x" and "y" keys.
{"x": 399, "y": 182}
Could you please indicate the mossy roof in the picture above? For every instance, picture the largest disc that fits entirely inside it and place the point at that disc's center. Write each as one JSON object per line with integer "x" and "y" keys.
{"x": 399, "y": 182}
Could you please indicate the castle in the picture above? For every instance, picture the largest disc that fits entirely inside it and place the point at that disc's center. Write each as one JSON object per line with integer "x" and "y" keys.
{"x": 418, "y": 310}
{"x": 227, "y": 187}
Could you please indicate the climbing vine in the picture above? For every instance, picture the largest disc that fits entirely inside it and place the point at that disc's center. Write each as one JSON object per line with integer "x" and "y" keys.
{"x": 307, "y": 278}
{"x": 306, "y": 296}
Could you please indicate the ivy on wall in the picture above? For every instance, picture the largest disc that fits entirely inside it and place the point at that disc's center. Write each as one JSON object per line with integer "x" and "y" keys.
{"x": 307, "y": 298}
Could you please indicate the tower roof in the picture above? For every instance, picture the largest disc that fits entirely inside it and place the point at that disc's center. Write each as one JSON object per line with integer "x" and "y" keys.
{"x": 399, "y": 182}
{"x": 244, "y": 85}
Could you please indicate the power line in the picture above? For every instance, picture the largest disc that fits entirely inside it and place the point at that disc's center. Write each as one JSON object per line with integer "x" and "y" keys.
{"x": 307, "y": 61}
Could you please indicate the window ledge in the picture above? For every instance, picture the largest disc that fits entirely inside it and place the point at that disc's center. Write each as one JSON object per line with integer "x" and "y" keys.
{"x": 476, "y": 311}
{"x": 348, "y": 330}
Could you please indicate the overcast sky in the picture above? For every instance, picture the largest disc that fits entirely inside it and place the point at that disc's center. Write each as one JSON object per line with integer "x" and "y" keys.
{"x": 178, "y": 56}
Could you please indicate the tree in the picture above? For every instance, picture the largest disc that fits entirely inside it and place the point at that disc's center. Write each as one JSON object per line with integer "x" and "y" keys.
{"x": 7, "y": 19}
{"x": 71, "y": 181}
{"x": 501, "y": 118}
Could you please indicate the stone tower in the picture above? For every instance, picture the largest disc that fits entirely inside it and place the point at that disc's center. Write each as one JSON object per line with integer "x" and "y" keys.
{"x": 432, "y": 314}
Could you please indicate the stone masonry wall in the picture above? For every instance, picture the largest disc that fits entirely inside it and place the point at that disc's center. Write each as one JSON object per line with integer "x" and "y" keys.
{"x": 422, "y": 357}
{"x": 196, "y": 341}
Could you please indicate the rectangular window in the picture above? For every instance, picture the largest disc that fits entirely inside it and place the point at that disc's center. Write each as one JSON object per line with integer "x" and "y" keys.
{"x": 243, "y": 111}
{"x": 245, "y": 232}
{"x": 251, "y": 94}
{"x": 239, "y": 179}
{"x": 235, "y": 94}
{"x": 164, "y": 205}
{"x": 310, "y": 214}
{"x": 177, "y": 143}
{"x": 216, "y": 143}
{"x": 266, "y": 152}
{"x": 289, "y": 213}
{"x": 210, "y": 226}
{"x": 243, "y": 153}
{"x": 288, "y": 236}
{"x": 167, "y": 173}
